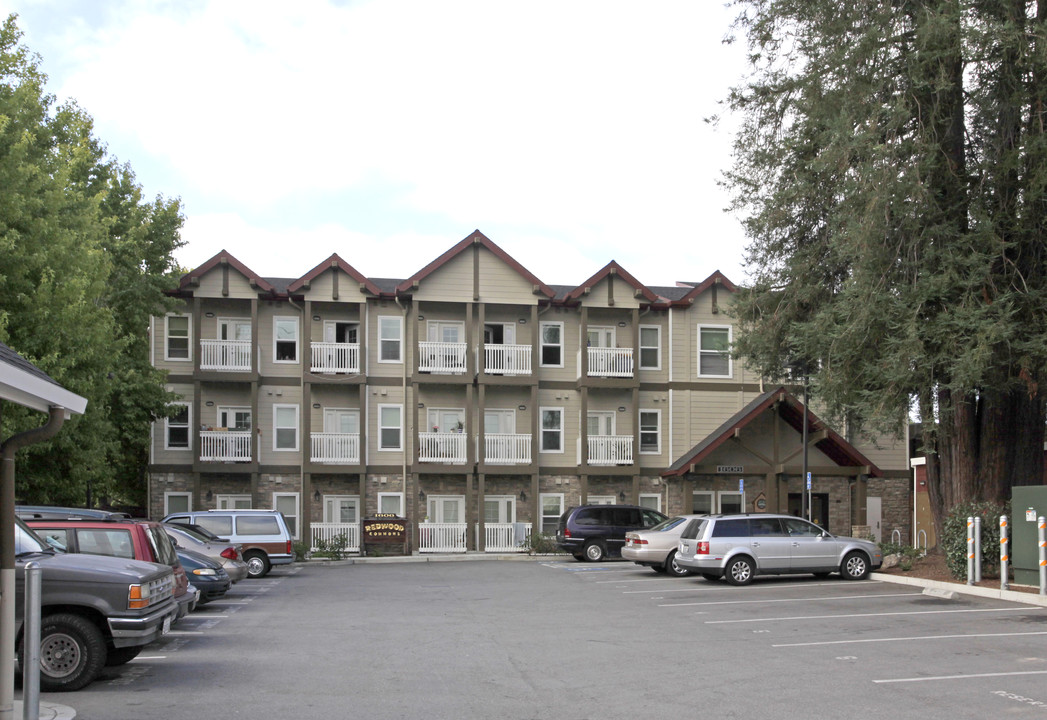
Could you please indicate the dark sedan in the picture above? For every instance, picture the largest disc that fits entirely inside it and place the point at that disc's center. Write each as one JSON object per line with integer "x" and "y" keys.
{"x": 205, "y": 574}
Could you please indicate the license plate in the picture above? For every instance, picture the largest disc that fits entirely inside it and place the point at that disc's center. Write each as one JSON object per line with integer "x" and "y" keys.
{"x": 167, "y": 625}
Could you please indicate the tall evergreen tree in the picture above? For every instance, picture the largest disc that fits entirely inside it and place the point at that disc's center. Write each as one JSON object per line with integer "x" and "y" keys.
{"x": 890, "y": 167}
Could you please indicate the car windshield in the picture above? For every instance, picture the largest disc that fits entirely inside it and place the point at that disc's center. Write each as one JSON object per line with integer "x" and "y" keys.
{"x": 668, "y": 524}
{"x": 26, "y": 541}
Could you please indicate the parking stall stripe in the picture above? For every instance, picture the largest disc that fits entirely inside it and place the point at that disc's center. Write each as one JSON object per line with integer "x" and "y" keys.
{"x": 858, "y": 615}
{"x": 787, "y": 600}
{"x": 962, "y": 677}
{"x": 725, "y": 588}
{"x": 908, "y": 639}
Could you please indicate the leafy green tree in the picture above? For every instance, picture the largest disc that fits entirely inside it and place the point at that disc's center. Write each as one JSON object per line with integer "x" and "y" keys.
{"x": 83, "y": 264}
{"x": 891, "y": 169}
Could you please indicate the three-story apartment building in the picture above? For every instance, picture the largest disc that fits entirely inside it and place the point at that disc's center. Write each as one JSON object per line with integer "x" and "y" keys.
{"x": 479, "y": 403}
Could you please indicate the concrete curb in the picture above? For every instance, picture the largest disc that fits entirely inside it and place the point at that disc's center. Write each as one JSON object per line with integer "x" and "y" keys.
{"x": 48, "y": 711}
{"x": 996, "y": 594}
{"x": 457, "y": 557}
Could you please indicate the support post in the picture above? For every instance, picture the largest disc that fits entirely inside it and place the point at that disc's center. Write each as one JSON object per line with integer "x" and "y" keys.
{"x": 970, "y": 551}
{"x": 1004, "y": 556}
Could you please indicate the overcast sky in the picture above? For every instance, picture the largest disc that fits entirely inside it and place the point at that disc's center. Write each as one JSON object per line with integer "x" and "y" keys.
{"x": 569, "y": 132}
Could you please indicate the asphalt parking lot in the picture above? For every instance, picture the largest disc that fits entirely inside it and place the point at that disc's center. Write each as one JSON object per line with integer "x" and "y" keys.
{"x": 560, "y": 639}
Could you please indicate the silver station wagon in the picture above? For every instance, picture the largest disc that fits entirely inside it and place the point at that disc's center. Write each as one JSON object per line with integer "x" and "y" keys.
{"x": 740, "y": 547}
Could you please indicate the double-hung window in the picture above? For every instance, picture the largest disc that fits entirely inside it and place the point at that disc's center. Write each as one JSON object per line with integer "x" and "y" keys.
{"x": 285, "y": 427}
{"x": 714, "y": 357}
{"x": 551, "y": 344}
{"x": 649, "y": 435}
{"x": 176, "y": 334}
{"x": 552, "y": 430}
{"x": 390, "y": 427}
{"x": 650, "y": 347}
{"x": 390, "y": 338}
{"x": 177, "y": 429}
{"x": 285, "y": 339}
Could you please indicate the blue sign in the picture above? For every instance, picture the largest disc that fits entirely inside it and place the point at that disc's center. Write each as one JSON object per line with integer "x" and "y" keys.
{"x": 808, "y": 481}
{"x": 741, "y": 484}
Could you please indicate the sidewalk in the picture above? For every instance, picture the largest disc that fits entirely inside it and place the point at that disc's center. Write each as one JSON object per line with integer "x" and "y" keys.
{"x": 48, "y": 711}
{"x": 1028, "y": 598}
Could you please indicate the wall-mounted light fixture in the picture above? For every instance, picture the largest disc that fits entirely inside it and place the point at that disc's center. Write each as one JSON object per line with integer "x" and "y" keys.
{"x": 621, "y": 323}
{"x": 621, "y": 496}
{"x": 523, "y": 496}
{"x": 316, "y": 317}
{"x": 209, "y": 403}
{"x": 316, "y": 406}
{"x": 421, "y": 405}
{"x": 209, "y": 496}
{"x": 421, "y": 495}
{"x": 522, "y": 407}
{"x": 208, "y": 314}
{"x": 421, "y": 318}
{"x": 316, "y": 496}
{"x": 621, "y": 409}
{"x": 523, "y": 321}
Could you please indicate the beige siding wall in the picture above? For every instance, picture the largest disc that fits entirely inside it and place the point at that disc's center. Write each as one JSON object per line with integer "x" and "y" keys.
{"x": 387, "y": 396}
{"x": 159, "y": 436}
{"x": 375, "y": 311}
{"x": 453, "y": 282}
{"x": 322, "y": 288}
{"x": 500, "y": 283}
{"x": 211, "y": 285}
{"x": 622, "y": 292}
{"x": 268, "y": 397}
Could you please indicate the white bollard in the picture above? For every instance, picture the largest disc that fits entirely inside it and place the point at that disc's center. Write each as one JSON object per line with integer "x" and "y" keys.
{"x": 970, "y": 551}
{"x": 1004, "y": 557}
{"x": 31, "y": 643}
{"x": 1043, "y": 554}
{"x": 978, "y": 549}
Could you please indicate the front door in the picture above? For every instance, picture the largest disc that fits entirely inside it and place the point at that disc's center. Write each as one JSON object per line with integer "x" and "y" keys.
{"x": 445, "y": 509}
{"x": 819, "y": 507}
{"x": 337, "y": 420}
{"x": 234, "y": 329}
{"x": 601, "y": 337}
{"x": 499, "y": 509}
{"x": 873, "y": 517}
{"x": 601, "y": 423}
{"x": 340, "y": 332}
{"x": 341, "y": 509}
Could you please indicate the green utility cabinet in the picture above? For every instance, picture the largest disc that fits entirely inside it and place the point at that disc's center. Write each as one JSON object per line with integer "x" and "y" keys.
{"x": 1028, "y": 502}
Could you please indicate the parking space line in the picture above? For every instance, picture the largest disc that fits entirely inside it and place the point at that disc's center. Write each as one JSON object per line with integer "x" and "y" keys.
{"x": 962, "y": 677}
{"x": 909, "y": 639}
{"x": 196, "y": 616}
{"x": 183, "y": 632}
{"x": 726, "y": 588}
{"x": 787, "y": 600}
{"x": 858, "y": 615}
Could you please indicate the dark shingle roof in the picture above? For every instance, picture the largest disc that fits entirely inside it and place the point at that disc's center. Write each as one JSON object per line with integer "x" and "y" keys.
{"x": 10, "y": 357}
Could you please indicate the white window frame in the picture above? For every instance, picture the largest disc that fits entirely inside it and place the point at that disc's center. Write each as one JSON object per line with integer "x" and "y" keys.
{"x": 399, "y": 339}
{"x": 657, "y": 497}
{"x": 657, "y": 348}
{"x": 542, "y": 345}
{"x": 601, "y": 500}
{"x": 399, "y": 427}
{"x": 228, "y": 502}
{"x": 188, "y": 429}
{"x": 504, "y": 501}
{"x": 332, "y": 502}
{"x": 277, "y": 320}
{"x": 730, "y": 340}
{"x": 542, "y": 430}
{"x": 167, "y": 502}
{"x": 713, "y": 507}
{"x": 277, "y": 428}
{"x": 398, "y": 495}
{"x": 188, "y": 338}
{"x": 233, "y": 322}
{"x": 232, "y": 410}
{"x": 657, "y": 432}
{"x": 296, "y": 517}
{"x": 541, "y": 510}
{"x": 724, "y": 493}
{"x": 337, "y": 412}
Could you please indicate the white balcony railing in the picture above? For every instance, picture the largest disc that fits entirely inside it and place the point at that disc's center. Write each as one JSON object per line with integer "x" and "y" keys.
{"x": 507, "y": 449}
{"x": 335, "y": 357}
{"x": 441, "y": 357}
{"x": 329, "y": 532}
{"x": 225, "y": 355}
{"x": 610, "y": 362}
{"x": 335, "y": 448}
{"x": 507, "y": 359}
{"x": 442, "y": 537}
{"x": 506, "y": 537}
{"x": 441, "y": 447}
{"x": 225, "y": 446}
{"x": 610, "y": 450}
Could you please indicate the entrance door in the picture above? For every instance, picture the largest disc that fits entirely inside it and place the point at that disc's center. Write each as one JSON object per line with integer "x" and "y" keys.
{"x": 819, "y": 506}
{"x": 234, "y": 418}
{"x": 499, "y": 334}
{"x": 234, "y": 329}
{"x": 499, "y": 509}
{"x": 443, "y": 509}
{"x": 601, "y": 423}
{"x": 874, "y": 517}
{"x": 342, "y": 509}
{"x": 601, "y": 337}
{"x": 337, "y": 420}
{"x": 341, "y": 332}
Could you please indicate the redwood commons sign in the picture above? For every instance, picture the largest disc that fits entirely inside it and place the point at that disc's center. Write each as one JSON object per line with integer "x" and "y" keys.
{"x": 385, "y": 535}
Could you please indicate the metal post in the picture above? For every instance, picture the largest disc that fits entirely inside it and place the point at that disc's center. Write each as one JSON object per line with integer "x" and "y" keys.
{"x": 1043, "y": 554}
{"x": 31, "y": 643}
{"x": 970, "y": 551}
{"x": 1004, "y": 543}
{"x": 978, "y": 549}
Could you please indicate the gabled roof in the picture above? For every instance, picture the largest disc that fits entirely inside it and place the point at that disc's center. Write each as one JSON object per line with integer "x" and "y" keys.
{"x": 717, "y": 278}
{"x": 338, "y": 264}
{"x": 24, "y": 383}
{"x": 612, "y": 269}
{"x": 192, "y": 278}
{"x": 477, "y": 238}
{"x": 790, "y": 410}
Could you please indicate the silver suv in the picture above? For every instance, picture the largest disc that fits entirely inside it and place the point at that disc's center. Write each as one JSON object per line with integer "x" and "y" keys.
{"x": 739, "y": 547}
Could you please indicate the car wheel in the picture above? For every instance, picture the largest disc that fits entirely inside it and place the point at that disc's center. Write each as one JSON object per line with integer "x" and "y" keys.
{"x": 711, "y": 577}
{"x": 855, "y": 566}
{"x": 580, "y": 558}
{"x": 674, "y": 568}
{"x": 740, "y": 571}
{"x": 660, "y": 569}
{"x": 594, "y": 551}
{"x": 72, "y": 652}
{"x": 257, "y": 564}
{"x": 122, "y": 656}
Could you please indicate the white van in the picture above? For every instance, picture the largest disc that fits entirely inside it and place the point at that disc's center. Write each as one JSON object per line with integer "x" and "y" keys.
{"x": 263, "y": 533}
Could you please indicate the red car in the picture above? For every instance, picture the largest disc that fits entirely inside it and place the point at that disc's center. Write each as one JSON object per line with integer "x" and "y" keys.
{"x": 119, "y": 537}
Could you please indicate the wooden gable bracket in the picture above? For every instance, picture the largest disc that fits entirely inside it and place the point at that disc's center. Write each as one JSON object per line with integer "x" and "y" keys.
{"x": 225, "y": 277}
{"x": 334, "y": 279}
{"x": 586, "y": 290}
{"x": 716, "y": 306}
{"x": 536, "y": 289}
{"x": 610, "y": 288}
{"x": 737, "y": 438}
{"x": 194, "y": 281}
{"x": 638, "y": 292}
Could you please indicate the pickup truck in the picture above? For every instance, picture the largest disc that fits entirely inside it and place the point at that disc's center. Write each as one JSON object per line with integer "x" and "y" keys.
{"x": 95, "y": 610}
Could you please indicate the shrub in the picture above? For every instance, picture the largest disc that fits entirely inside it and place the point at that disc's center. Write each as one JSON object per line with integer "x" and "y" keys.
{"x": 954, "y": 537}
{"x": 541, "y": 544}
{"x": 335, "y": 548}
{"x": 300, "y": 549}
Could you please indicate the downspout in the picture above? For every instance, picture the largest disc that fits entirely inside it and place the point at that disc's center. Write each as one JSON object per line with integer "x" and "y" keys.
{"x": 304, "y": 440}
{"x": 403, "y": 415}
{"x": 8, "y": 448}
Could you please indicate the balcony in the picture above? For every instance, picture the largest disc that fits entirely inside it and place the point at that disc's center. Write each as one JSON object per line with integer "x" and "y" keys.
{"x": 442, "y": 537}
{"x": 441, "y": 358}
{"x": 326, "y": 533}
{"x": 506, "y": 537}
{"x": 441, "y": 447}
{"x": 610, "y": 362}
{"x": 507, "y": 449}
{"x": 507, "y": 359}
{"x": 225, "y": 355}
{"x": 331, "y": 358}
{"x": 335, "y": 448}
{"x": 610, "y": 450}
{"x": 225, "y": 445}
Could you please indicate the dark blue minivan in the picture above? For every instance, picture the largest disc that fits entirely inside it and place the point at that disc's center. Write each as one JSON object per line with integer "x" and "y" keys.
{"x": 593, "y": 532}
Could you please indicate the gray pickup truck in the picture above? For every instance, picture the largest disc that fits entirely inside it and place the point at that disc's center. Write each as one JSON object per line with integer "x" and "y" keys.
{"x": 95, "y": 610}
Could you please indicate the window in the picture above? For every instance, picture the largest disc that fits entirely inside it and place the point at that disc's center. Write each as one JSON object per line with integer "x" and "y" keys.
{"x": 651, "y": 500}
{"x": 391, "y": 504}
{"x": 731, "y": 501}
{"x": 177, "y": 502}
{"x": 703, "y": 502}
{"x": 176, "y": 434}
{"x": 342, "y": 509}
{"x": 390, "y": 339}
{"x": 177, "y": 334}
{"x": 285, "y": 427}
{"x": 552, "y": 344}
{"x": 650, "y": 420}
{"x": 552, "y": 429}
{"x": 116, "y": 543}
{"x": 285, "y": 339}
{"x": 287, "y": 503}
{"x": 650, "y": 347}
{"x": 234, "y": 329}
{"x": 552, "y": 509}
{"x": 232, "y": 418}
{"x": 231, "y": 502}
{"x": 390, "y": 435}
{"x": 714, "y": 359}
